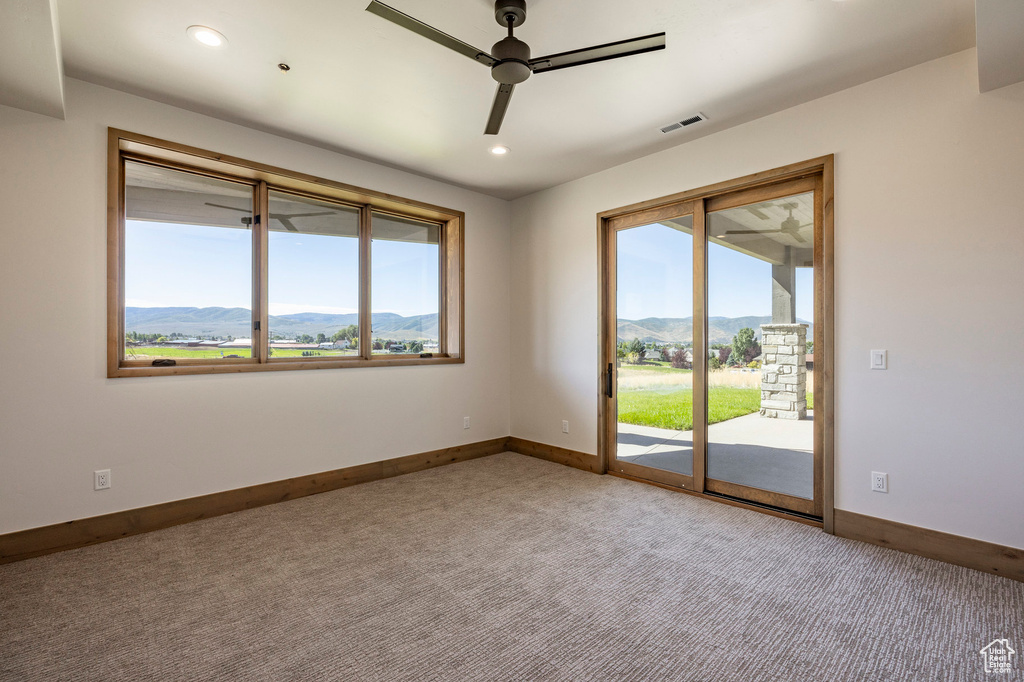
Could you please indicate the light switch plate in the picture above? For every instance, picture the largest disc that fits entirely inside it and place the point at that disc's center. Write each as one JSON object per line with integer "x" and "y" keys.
{"x": 879, "y": 359}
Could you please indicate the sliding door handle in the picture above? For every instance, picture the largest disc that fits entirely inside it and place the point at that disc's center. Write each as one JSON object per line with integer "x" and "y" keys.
{"x": 609, "y": 378}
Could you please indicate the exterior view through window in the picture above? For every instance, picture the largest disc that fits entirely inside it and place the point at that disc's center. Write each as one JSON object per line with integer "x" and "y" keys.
{"x": 655, "y": 348}
{"x": 405, "y": 255}
{"x": 761, "y": 315}
{"x": 187, "y": 266}
{"x": 314, "y": 278}
{"x": 223, "y": 265}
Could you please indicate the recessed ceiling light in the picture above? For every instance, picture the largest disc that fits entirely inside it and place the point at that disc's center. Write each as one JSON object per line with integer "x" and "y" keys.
{"x": 500, "y": 150}
{"x": 207, "y": 36}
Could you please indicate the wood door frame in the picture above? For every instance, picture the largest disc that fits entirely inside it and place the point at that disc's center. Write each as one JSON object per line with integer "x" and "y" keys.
{"x": 820, "y": 172}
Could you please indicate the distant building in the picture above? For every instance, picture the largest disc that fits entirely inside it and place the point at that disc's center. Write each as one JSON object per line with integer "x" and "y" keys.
{"x": 237, "y": 343}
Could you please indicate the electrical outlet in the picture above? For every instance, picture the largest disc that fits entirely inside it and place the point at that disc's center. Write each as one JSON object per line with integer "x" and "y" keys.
{"x": 565, "y": 426}
{"x": 879, "y": 482}
{"x": 101, "y": 479}
{"x": 465, "y": 422}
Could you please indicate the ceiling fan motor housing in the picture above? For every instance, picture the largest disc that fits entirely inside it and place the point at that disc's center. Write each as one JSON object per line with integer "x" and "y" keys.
{"x": 513, "y": 57}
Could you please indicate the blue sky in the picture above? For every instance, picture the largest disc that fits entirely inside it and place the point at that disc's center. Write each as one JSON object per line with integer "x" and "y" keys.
{"x": 655, "y": 278}
{"x": 188, "y": 265}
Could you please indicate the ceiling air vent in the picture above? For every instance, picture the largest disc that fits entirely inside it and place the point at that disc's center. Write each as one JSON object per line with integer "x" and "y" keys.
{"x": 696, "y": 118}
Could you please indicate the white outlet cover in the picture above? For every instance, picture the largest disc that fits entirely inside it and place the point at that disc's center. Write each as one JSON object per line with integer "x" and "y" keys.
{"x": 879, "y": 482}
{"x": 465, "y": 422}
{"x": 101, "y": 479}
{"x": 565, "y": 426}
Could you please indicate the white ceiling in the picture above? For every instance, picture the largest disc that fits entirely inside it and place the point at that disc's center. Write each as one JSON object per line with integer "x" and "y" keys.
{"x": 368, "y": 88}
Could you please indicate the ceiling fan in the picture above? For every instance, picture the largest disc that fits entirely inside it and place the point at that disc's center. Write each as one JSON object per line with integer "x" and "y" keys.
{"x": 790, "y": 226}
{"x": 283, "y": 218}
{"x": 509, "y": 60}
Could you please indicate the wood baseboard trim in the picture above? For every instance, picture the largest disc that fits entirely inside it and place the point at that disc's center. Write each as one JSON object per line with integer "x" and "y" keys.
{"x": 989, "y": 557}
{"x": 58, "y": 537}
{"x": 553, "y": 453}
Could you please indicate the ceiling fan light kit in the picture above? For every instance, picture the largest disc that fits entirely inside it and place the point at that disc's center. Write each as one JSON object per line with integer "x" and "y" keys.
{"x": 510, "y": 60}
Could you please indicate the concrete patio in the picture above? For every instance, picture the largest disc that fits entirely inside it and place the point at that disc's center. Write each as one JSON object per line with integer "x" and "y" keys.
{"x": 771, "y": 454}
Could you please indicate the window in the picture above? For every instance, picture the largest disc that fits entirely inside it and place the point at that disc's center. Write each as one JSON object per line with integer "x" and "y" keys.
{"x": 218, "y": 264}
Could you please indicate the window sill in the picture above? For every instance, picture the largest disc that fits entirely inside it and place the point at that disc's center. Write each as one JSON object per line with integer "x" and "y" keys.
{"x": 145, "y": 370}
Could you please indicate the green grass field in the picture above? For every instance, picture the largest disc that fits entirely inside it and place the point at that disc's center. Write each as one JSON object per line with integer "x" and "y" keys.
{"x": 674, "y": 409}
{"x": 165, "y": 352}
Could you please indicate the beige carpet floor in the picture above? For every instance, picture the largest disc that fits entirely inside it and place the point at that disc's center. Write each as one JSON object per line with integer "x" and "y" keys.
{"x": 503, "y": 568}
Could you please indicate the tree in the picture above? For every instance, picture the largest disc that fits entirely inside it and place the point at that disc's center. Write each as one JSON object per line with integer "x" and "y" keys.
{"x": 742, "y": 341}
{"x": 714, "y": 362}
{"x": 416, "y": 347}
{"x": 636, "y": 351}
{"x": 304, "y": 338}
{"x": 321, "y": 338}
{"x": 666, "y": 356}
{"x": 679, "y": 360}
{"x": 723, "y": 355}
{"x": 810, "y": 347}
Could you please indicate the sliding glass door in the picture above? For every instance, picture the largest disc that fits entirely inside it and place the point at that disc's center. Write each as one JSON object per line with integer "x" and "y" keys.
{"x": 711, "y": 323}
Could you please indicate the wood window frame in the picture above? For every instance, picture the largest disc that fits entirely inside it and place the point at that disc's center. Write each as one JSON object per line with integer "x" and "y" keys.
{"x": 814, "y": 174}
{"x": 125, "y": 146}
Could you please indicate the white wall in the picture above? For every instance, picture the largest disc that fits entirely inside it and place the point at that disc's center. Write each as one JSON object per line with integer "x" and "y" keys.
{"x": 169, "y": 438}
{"x": 929, "y": 264}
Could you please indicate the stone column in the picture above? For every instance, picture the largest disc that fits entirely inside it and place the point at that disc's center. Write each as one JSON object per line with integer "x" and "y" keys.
{"x": 784, "y": 371}
{"x": 784, "y": 290}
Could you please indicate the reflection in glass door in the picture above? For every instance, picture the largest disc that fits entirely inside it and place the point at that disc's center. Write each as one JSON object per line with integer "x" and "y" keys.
{"x": 760, "y": 381}
{"x": 654, "y": 351}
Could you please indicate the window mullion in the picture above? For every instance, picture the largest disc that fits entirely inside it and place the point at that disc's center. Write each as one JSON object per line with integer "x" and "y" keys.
{"x": 261, "y": 269}
{"x": 365, "y": 316}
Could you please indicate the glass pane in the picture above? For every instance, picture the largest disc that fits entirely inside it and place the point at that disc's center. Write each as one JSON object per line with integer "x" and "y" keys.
{"x": 655, "y": 345}
{"x": 405, "y": 285}
{"x": 313, "y": 261}
{"x": 188, "y": 265}
{"x": 760, "y": 326}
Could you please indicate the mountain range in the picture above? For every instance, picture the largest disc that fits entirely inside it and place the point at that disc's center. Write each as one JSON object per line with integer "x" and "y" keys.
{"x": 237, "y": 322}
{"x": 680, "y": 329}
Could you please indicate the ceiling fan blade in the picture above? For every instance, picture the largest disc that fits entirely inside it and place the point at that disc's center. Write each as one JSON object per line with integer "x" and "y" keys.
{"x": 599, "y": 53}
{"x": 300, "y": 215}
{"x": 501, "y": 98}
{"x": 230, "y": 208}
{"x": 287, "y": 224}
{"x": 427, "y": 31}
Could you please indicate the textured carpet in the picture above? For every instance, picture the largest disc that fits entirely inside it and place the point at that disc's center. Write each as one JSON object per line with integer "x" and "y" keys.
{"x": 503, "y": 568}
